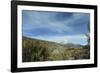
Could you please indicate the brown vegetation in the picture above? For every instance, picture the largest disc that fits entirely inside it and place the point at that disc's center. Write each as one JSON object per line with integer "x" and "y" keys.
{"x": 39, "y": 50}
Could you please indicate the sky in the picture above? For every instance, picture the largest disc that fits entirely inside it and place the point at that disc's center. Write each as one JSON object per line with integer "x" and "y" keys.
{"x": 60, "y": 27}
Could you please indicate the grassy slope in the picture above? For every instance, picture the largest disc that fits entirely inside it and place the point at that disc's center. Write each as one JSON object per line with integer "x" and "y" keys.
{"x": 39, "y": 50}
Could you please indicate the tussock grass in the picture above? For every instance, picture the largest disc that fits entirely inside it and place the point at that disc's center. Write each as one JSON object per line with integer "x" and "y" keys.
{"x": 38, "y": 50}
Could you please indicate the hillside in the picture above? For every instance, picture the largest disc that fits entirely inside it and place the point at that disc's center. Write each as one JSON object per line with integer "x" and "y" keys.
{"x": 40, "y": 50}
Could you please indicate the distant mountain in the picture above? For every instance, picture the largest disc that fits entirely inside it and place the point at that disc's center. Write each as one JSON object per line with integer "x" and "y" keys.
{"x": 74, "y": 45}
{"x": 49, "y": 43}
{"x": 41, "y": 43}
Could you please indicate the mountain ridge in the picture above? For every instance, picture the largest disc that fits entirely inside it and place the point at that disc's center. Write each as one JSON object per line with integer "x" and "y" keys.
{"x": 66, "y": 45}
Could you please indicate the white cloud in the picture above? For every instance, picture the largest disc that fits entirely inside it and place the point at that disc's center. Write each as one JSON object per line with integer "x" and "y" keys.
{"x": 43, "y": 20}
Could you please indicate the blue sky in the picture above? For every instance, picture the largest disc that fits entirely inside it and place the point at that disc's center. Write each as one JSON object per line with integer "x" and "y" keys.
{"x": 65, "y": 27}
